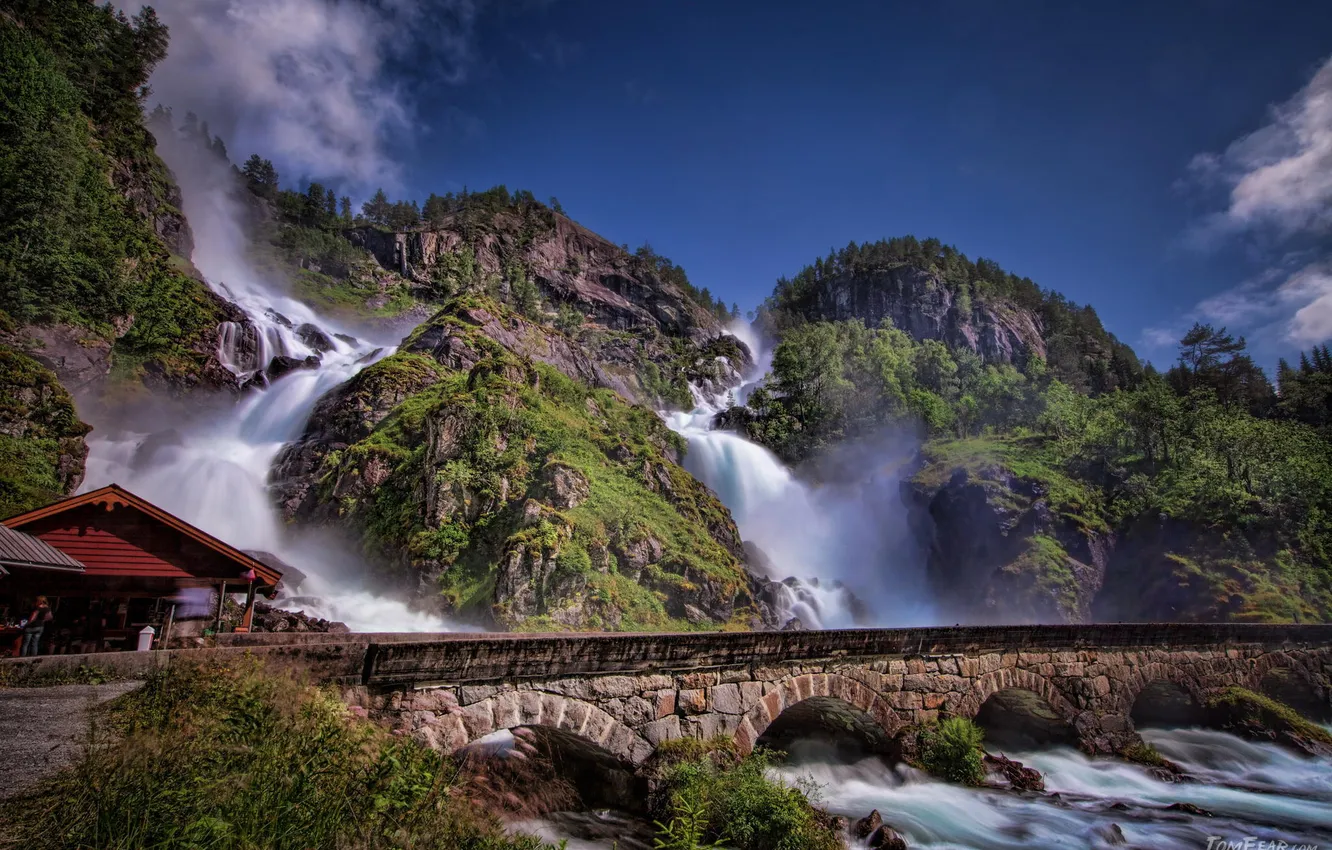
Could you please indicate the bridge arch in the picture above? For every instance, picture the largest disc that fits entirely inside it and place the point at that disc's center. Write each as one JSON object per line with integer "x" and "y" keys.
{"x": 539, "y": 710}
{"x": 994, "y": 682}
{"x": 1297, "y": 687}
{"x": 1167, "y": 702}
{"x": 820, "y": 694}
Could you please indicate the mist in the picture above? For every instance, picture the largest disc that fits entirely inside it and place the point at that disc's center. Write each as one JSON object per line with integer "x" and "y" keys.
{"x": 310, "y": 84}
{"x": 843, "y": 547}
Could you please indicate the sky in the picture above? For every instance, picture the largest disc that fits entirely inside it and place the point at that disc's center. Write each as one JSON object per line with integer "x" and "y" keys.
{"x": 1165, "y": 162}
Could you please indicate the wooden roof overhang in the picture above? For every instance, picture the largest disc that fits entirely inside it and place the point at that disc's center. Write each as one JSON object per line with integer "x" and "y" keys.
{"x": 127, "y": 543}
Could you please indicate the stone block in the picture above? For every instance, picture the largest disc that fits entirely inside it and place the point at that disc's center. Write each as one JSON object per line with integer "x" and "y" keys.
{"x": 665, "y": 729}
{"x": 477, "y": 719}
{"x": 529, "y": 707}
{"x": 692, "y": 701}
{"x": 508, "y": 712}
{"x": 695, "y": 681}
{"x": 933, "y": 700}
{"x": 575, "y": 716}
{"x": 611, "y": 687}
{"x": 897, "y": 666}
{"x": 750, "y": 694}
{"x": 599, "y": 725}
{"x": 726, "y": 699}
{"x": 728, "y": 677}
{"x": 665, "y": 703}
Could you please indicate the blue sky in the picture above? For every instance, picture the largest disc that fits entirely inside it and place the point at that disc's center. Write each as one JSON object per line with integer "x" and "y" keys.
{"x": 1161, "y": 161}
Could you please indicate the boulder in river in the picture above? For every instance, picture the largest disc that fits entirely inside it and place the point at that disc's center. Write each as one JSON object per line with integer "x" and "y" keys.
{"x": 887, "y": 838}
{"x": 868, "y": 825}
{"x": 1015, "y": 774}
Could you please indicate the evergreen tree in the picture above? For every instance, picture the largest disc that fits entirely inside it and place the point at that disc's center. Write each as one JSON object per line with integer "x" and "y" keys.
{"x": 377, "y": 209}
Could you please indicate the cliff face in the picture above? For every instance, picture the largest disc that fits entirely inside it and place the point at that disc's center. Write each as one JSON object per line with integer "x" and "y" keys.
{"x": 925, "y": 306}
{"x": 570, "y": 263}
{"x": 1012, "y": 539}
{"x": 491, "y": 465}
{"x": 999, "y": 553}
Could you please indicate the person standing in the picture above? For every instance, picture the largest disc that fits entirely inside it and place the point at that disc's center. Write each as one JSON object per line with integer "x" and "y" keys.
{"x": 36, "y": 625}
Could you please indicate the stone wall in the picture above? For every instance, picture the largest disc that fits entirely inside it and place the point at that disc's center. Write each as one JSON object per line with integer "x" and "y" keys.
{"x": 628, "y": 693}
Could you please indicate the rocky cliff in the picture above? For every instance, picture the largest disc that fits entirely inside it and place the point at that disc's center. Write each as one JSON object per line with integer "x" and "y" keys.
{"x": 923, "y": 304}
{"x": 1013, "y": 538}
{"x": 491, "y": 464}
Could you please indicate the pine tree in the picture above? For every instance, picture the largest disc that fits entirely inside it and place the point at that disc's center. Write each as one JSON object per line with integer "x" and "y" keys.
{"x": 376, "y": 210}
{"x": 346, "y": 210}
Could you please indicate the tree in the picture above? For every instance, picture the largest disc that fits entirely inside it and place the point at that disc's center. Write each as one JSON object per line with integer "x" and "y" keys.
{"x": 261, "y": 177}
{"x": 436, "y": 210}
{"x": 377, "y": 209}
{"x": 346, "y": 210}
{"x": 555, "y": 205}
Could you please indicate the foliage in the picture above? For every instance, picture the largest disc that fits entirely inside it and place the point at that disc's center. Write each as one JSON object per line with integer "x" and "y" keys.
{"x": 240, "y": 757}
{"x": 650, "y": 262}
{"x": 76, "y": 163}
{"x": 952, "y": 751}
{"x": 512, "y": 423}
{"x": 1079, "y": 351}
{"x": 1236, "y": 706}
{"x": 38, "y": 424}
{"x": 739, "y": 805}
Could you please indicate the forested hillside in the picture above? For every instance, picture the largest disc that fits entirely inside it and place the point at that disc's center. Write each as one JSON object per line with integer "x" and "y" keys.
{"x": 97, "y": 295}
{"x": 1060, "y": 480}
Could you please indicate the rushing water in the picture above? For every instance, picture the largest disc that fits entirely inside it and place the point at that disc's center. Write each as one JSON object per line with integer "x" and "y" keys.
{"x": 212, "y": 471}
{"x": 1250, "y": 790}
{"x": 840, "y": 550}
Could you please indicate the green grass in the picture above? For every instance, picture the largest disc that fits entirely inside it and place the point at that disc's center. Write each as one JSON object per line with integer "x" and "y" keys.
{"x": 351, "y": 296}
{"x": 514, "y": 421}
{"x": 239, "y": 757}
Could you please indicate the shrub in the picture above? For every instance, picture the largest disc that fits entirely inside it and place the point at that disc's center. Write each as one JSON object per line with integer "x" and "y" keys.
{"x": 952, "y": 751}
{"x": 739, "y": 805}
{"x": 239, "y": 757}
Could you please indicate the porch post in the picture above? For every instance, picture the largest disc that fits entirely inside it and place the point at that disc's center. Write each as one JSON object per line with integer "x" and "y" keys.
{"x": 221, "y": 600}
{"x": 248, "y": 618}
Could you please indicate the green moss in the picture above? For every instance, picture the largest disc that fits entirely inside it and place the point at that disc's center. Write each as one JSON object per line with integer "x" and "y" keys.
{"x": 1147, "y": 755}
{"x": 511, "y": 423}
{"x": 38, "y": 425}
{"x": 357, "y": 296}
{"x": 1235, "y": 706}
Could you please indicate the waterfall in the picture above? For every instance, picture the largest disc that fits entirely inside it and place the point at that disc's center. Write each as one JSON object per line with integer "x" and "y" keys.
{"x": 212, "y": 471}
{"x": 830, "y": 547}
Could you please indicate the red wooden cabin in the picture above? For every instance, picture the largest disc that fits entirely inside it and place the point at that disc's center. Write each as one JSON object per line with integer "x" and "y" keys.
{"x": 136, "y": 557}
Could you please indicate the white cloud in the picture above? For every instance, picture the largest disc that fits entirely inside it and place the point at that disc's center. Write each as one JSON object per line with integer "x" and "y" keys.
{"x": 1279, "y": 176}
{"x": 1310, "y": 291}
{"x": 309, "y": 83}
{"x": 1278, "y": 197}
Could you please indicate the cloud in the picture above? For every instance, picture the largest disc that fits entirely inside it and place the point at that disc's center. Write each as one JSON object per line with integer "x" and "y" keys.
{"x": 1280, "y": 176}
{"x": 1296, "y": 311}
{"x": 1276, "y": 186}
{"x": 311, "y": 84}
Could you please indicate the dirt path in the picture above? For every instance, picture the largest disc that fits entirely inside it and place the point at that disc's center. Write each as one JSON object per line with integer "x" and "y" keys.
{"x": 41, "y": 729}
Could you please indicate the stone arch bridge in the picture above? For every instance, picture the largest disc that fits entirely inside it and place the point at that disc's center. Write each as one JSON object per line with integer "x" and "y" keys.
{"x": 629, "y": 693}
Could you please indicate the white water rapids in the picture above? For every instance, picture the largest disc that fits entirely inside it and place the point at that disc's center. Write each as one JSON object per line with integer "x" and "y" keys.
{"x": 1250, "y": 791}
{"x": 212, "y": 471}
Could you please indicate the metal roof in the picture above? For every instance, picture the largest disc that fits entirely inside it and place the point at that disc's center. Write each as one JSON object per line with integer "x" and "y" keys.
{"x": 21, "y": 550}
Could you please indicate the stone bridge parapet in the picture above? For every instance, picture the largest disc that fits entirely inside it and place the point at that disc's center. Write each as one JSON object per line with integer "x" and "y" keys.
{"x": 629, "y": 693}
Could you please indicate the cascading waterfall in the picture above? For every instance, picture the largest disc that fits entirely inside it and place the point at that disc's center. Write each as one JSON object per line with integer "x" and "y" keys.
{"x": 829, "y": 547}
{"x": 213, "y": 472}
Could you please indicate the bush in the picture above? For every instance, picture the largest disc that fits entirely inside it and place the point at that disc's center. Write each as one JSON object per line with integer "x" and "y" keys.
{"x": 952, "y": 751}
{"x": 740, "y": 805}
{"x": 237, "y": 757}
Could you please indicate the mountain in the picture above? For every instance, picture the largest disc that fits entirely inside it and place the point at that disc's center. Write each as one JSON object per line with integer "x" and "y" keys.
{"x": 499, "y": 462}
{"x": 1058, "y": 480}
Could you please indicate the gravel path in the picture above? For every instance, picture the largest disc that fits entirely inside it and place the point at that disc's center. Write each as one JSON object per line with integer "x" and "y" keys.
{"x": 41, "y": 729}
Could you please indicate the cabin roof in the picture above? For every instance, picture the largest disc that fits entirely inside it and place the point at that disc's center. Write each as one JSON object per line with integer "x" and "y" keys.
{"x": 21, "y": 550}
{"x": 115, "y": 497}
